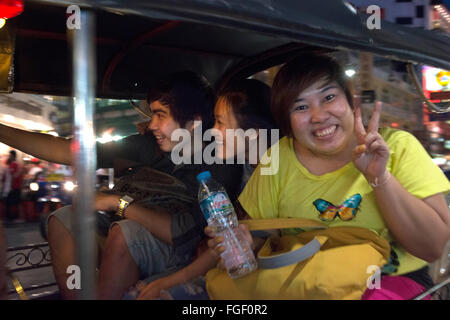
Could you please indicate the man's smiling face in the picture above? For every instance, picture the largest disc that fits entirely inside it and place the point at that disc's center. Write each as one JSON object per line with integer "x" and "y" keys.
{"x": 162, "y": 125}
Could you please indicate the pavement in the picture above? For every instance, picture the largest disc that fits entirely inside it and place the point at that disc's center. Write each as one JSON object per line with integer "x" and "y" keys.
{"x": 24, "y": 234}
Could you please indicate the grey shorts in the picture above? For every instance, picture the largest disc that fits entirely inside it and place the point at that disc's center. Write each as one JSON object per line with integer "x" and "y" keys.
{"x": 151, "y": 255}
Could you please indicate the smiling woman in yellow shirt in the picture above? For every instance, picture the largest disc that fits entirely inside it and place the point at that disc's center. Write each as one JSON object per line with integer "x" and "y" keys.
{"x": 333, "y": 170}
{"x": 295, "y": 192}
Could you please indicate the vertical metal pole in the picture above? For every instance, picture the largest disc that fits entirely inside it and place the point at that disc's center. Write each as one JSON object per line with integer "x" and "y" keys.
{"x": 84, "y": 151}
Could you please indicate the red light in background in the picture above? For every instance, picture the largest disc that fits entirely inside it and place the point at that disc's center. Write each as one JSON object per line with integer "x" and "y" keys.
{"x": 10, "y": 8}
{"x": 394, "y": 125}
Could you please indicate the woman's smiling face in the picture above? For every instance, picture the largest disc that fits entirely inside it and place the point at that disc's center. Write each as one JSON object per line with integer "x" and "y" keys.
{"x": 225, "y": 120}
{"x": 321, "y": 120}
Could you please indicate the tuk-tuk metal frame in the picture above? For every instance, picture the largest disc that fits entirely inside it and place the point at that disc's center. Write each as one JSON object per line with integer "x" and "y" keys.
{"x": 84, "y": 152}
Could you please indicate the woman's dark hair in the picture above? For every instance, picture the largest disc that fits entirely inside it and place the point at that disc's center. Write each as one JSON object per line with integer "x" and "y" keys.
{"x": 297, "y": 75}
{"x": 188, "y": 95}
{"x": 249, "y": 99}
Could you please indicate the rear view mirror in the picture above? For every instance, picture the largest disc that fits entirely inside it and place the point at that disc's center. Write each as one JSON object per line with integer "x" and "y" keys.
{"x": 6, "y": 60}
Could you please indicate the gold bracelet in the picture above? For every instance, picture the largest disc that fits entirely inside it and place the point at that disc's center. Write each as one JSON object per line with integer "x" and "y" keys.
{"x": 377, "y": 183}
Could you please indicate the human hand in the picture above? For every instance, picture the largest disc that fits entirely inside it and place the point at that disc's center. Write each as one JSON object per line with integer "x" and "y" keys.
{"x": 371, "y": 154}
{"x": 106, "y": 202}
{"x": 155, "y": 290}
{"x": 215, "y": 244}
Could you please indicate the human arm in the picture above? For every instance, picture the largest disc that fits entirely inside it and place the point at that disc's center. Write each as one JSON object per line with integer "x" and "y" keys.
{"x": 156, "y": 220}
{"x": 42, "y": 146}
{"x": 206, "y": 261}
{"x": 421, "y": 226}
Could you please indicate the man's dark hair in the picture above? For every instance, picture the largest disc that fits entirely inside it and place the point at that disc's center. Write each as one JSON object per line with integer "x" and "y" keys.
{"x": 13, "y": 153}
{"x": 188, "y": 95}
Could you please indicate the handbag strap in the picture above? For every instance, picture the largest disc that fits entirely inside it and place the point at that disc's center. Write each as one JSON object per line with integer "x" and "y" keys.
{"x": 291, "y": 257}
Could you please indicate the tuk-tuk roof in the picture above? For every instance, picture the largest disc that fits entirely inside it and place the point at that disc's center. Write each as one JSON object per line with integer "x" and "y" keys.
{"x": 139, "y": 41}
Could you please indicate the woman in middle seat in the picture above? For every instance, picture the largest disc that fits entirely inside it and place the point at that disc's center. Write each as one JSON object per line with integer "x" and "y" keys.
{"x": 243, "y": 105}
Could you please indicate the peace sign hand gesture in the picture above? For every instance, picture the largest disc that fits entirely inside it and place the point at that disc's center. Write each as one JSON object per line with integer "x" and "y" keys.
{"x": 371, "y": 154}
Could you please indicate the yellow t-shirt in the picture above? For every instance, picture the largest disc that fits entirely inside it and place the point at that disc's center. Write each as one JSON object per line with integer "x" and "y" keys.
{"x": 294, "y": 192}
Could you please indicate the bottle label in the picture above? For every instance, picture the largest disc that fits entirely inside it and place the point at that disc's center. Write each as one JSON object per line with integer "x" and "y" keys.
{"x": 217, "y": 203}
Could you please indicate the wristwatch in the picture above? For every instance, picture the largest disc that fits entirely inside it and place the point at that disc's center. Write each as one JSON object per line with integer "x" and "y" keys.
{"x": 124, "y": 202}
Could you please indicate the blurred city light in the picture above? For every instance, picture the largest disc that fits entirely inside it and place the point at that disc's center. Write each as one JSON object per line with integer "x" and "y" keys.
{"x": 107, "y": 137}
{"x": 34, "y": 186}
{"x": 10, "y": 8}
{"x": 350, "y": 72}
{"x": 69, "y": 186}
{"x": 439, "y": 161}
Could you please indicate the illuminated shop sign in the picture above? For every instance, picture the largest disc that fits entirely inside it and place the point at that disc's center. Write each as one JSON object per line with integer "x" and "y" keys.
{"x": 435, "y": 79}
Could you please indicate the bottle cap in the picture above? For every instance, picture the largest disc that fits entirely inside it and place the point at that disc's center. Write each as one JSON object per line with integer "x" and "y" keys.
{"x": 205, "y": 175}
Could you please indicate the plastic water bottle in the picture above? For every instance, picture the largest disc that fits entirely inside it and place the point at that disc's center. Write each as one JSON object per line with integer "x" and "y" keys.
{"x": 219, "y": 212}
